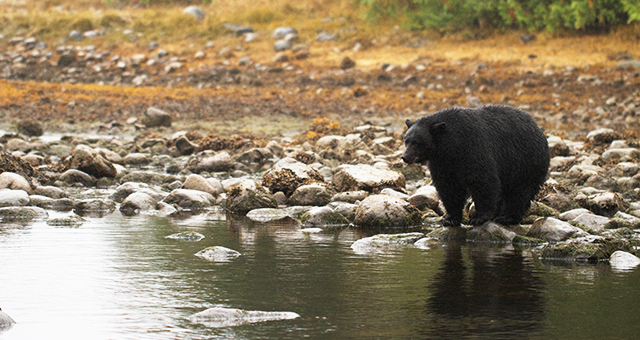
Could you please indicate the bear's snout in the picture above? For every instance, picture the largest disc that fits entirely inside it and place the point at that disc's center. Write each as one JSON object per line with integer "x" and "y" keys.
{"x": 408, "y": 158}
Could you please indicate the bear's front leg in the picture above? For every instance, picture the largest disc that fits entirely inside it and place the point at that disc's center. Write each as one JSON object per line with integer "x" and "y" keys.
{"x": 454, "y": 199}
{"x": 485, "y": 196}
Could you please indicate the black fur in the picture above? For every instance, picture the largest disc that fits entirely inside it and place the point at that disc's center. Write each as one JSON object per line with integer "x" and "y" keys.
{"x": 496, "y": 154}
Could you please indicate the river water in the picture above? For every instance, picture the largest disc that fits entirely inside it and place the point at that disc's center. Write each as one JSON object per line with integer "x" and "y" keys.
{"x": 117, "y": 277}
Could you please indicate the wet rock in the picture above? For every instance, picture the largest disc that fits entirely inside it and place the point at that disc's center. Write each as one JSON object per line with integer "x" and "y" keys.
{"x": 137, "y": 159}
{"x": 323, "y": 217}
{"x": 219, "y": 317}
{"x": 255, "y": 156}
{"x": 591, "y": 223}
{"x": 92, "y": 163}
{"x": 347, "y": 63}
{"x": 449, "y": 234}
{"x": 623, "y": 220}
{"x": 366, "y": 177}
{"x": 66, "y": 221}
{"x": 30, "y": 128}
{"x": 384, "y": 242}
{"x": 605, "y": 204}
{"x": 554, "y": 230}
{"x": 197, "y": 182}
{"x": 94, "y": 206}
{"x": 426, "y": 197}
{"x": 62, "y": 204}
{"x": 288, "y": 174}
{"x": 193, "y": 200}
{"x": 190, "y": 236}
{"x": 185, "y": 146}
{"x": 195, "y": 12}
{"x": 541, "y": 210}
{"x": 624, "y": 154}
{"x": 138, "y": 202}
{"x": 11, "y": 180}
{"x": 126, "y": 189}
{"x": 383, "y": 211}
{"x": 268, "y": 215}
{"x": 109, "y": 155}
{"x": 490, "y": 232}
{"x": 282, "y": 32}
{"x": 350, "y": 196}
{"x": 243, "y": 198}
{"x": 13, "y": 198}
{"x": 622, "y": 260}
{"x": 315, "y": 194}
{"x": 218, "y": 254}
{"x": 345, "y": 209}
{"x": 72, "y": 176}
{"x": 43, "y": 202}
{"x": 154, "y": 117}
{"x": 394, "y": 193}
{"x": 573, "y": 213}
{"x": 589, "y": 248}
{"x": 22, "y": 214}
{"x": 204, "y": 162}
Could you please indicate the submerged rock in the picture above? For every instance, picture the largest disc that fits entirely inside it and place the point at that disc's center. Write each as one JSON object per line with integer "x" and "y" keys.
{"x": 589, "y": 248}
{"x": 229, "y": 317}
{"x": 218, "y": 254}
{"x": 268, "y": 215}
{"x": 23, "y": 214}
{"x": 187, "y": 236}
{"x": 67, "y": 221}
{"x": 138, "y": 202}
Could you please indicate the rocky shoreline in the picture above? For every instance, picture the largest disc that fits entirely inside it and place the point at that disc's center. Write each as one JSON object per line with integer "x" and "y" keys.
{"x": 588, "y": 209}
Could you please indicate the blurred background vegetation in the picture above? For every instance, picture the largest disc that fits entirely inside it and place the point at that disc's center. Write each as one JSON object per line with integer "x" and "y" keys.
{"x": 530, "y": 15}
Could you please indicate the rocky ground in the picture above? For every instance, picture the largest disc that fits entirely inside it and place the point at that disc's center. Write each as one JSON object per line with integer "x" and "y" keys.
{"x": 285, "y": 139}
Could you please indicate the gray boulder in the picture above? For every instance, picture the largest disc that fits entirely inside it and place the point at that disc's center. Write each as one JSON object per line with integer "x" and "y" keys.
{"x": 243, "y": 198}
{"x": 425, "y": 197}
{"x": 195, "y": 12}
{"x": 323, "y": 217}
{"x": 204, "y": 162}
{"x": 282, "y": 32}
{"x": 13, "y": 198}
{"x": 138, "y": 202}
{"x": 366, "y": 177}
{"x": 218, "y": 254}
{"x": 288, "y": 174}
{"x": 384, "y": 211}
{"x": 315, "y": 194}
{"x": 11, "y": 180}
{"x": 554, "y": 230}
{"x": 72, "y": 176}
{"x": 193, "y": 200}
{"x": 197, "y": 182}
{"x": 623, "y": 261}
{"x": 591, "y": 222}
{"x": 90, "y": 161}
{"x": 21, "y": 214}
{"x": 350, "y": 196}
{"x": 50, "y": 191}
{"x": 155, "y": 117}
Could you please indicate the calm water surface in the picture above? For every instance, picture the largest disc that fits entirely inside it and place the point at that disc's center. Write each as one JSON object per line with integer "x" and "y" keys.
{"x": 120, "y": 278}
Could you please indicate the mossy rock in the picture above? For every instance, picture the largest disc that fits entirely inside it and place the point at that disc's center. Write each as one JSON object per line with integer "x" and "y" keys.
{"x": 591, "y": 249}
{"x": 82, "y": 25}
{"x": 449, "y": 234}
{"x": 68, "y": 221}
{"x": 524, "y": 240}
{"x": 111, "y": 20}
{"x": 241, "y": 203}
{"x": 191, "y": 236}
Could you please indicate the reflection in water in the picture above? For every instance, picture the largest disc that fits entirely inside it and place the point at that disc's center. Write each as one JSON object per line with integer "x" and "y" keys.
{"x": 494, "y": 293}
{"x": 119, "y": 278}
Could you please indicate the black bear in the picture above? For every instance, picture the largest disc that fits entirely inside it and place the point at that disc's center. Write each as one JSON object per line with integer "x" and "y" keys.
{"x": 496, "y": 154}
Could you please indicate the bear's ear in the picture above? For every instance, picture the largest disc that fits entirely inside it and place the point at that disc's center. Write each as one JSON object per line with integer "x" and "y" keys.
{"x": 409, "y": 123}
{"x": 439, "y": 127}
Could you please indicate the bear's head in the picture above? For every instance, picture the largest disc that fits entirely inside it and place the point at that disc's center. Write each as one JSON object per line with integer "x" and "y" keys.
{"x": 421, "y": 138}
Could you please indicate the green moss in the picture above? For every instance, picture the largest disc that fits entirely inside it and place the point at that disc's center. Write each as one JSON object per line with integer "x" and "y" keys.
{"x": 575, "y": 250}
{"x": 305, "y": 217}
{"x": 449, "y": 234}
{"x": 334, "y": 218}
{"x": 524, "y": 240}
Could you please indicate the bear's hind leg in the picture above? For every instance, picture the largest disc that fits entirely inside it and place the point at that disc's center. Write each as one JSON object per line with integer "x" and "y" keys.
{"x": 515, "y": 204}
